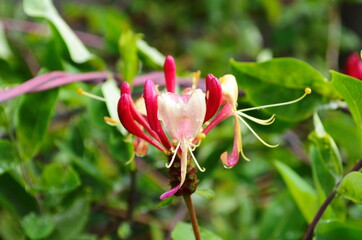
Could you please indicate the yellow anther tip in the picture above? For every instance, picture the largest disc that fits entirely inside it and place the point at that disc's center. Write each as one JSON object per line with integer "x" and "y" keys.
{"x": 201, "y": 136}
{"x": 308, "y": 91}
{"x": 111, "y": 121}
{"x": 80, "y": 91}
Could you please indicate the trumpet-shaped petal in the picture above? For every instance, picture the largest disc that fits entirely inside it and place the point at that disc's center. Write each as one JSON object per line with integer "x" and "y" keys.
{"x": 230, "y": 94}
{"x": 229, "y": 89}
{"x": 169, "y": 69}
{"x": 213, "y": 96}
{"x": 151, "y": 96}
{"x": 182, "y": 115}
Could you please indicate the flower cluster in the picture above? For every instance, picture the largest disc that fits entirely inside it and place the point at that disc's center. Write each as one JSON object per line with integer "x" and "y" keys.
{"x": 176, "y": 124}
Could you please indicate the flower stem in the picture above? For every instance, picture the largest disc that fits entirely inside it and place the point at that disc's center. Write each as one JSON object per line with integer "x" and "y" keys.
{"x": 193, "y": 217}
{"x": 309, "y": 233}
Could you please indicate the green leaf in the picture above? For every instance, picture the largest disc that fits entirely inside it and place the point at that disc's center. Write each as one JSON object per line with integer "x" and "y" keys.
{"x": 350, "y": 187}
{"x": 33, "y": 118}
{"x": 5, "y": 50}
{"x": 184, "y": 231}
{"x": 165, "y": 202}
{"x": 129, "y": 58}
{"x": 206, "y": 193}
{"x": 37, "y": 227}
{"x": 45, "y": 9}
{"x": 8, "y": 158}
{"x": 281, "y": 80}
{"x": 14, "y": 197}
{"x": 10, "y": 228}
{"x": 112, "y": 94}
{"x": 326, "y": 159}
{"x": 290, "y": 224}
{"x": 71, "y": 221}
{"x": 302, "y": 193}
{"x": 59, "y": 178}
{"x": 335, "y": 230}
{"x": 351, "y": 90}
{"x": 151, "y": 55}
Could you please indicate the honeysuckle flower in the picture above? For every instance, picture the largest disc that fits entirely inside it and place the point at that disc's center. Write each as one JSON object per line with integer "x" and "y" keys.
{"x": 176, "y": 123}
{"x": 172, "y": 122}
{"x": 230, "y": 96}
{"x": 353, "y": 66}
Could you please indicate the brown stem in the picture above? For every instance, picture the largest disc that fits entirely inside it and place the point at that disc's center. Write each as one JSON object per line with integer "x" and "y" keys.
{"x": 309, "y": 233}
{"x": 190, "y": 208}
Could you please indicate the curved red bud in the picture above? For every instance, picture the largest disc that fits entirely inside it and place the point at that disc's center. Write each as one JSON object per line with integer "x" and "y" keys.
{"x": 169, "y": 69}
{"x": 125, "y": 89}
{"x": 213, "y": 96}
{"x": 127, "y": 120}
{"x": 150, "y": 96}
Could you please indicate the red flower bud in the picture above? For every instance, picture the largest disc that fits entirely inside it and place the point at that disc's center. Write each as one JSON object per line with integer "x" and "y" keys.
{"x": 150, "y": 96}
{"x": 354, "y": 66}
{"x": 169, "y": 69}
{"x": 213, "y": 96}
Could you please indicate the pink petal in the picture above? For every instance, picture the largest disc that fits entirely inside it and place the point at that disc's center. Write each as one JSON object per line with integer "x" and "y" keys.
{"x": 213, "y": 96}
{"x": 170, "y": 193}
{"x": 150, "y": 96}
{"x": 182, "y": 116}
{"x": 127, "y": 120}
{"x": 169, "y": 69}
{"x": 233, "y": 158}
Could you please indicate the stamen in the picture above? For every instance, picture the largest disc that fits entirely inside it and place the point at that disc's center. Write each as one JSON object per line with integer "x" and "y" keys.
{"x": 193, "y": 157}
{"x": 306, "y": 92}
{"x": 256, "y": 135}
{"x": 257, "y": 120}
{"x": 81, "y": 92}
{"x": 174, "y": 155}
{"x": 111, "y": 121}
{"x": 195, "y": 79}
{"x": 200, "y": 136}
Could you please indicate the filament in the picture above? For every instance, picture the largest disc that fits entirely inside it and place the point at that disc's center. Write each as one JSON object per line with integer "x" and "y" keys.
{"x": 193, "y": 157}
{"x": 82, "y": 92}
{"x": 257, "y": 120}
{"x": 256, "y": 135}
{"x": 306, "y": 92}
{"x": 174, "y": 156}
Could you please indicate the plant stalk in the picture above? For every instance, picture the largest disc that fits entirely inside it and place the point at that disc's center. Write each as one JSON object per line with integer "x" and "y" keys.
{"x": 309, "y": 233}
{"x": 190, "y": 208}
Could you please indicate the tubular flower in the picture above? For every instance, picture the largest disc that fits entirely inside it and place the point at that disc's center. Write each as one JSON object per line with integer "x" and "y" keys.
{"x": 173, "y": 122}
{"x": 230, "y": 96}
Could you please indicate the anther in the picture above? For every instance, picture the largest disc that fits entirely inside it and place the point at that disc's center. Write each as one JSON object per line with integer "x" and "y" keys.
{"x": 111, "y": 121}
{"x": 82, "y": 92}
{"x": 195, "y": 78}
{"x": 201, "y": 136}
